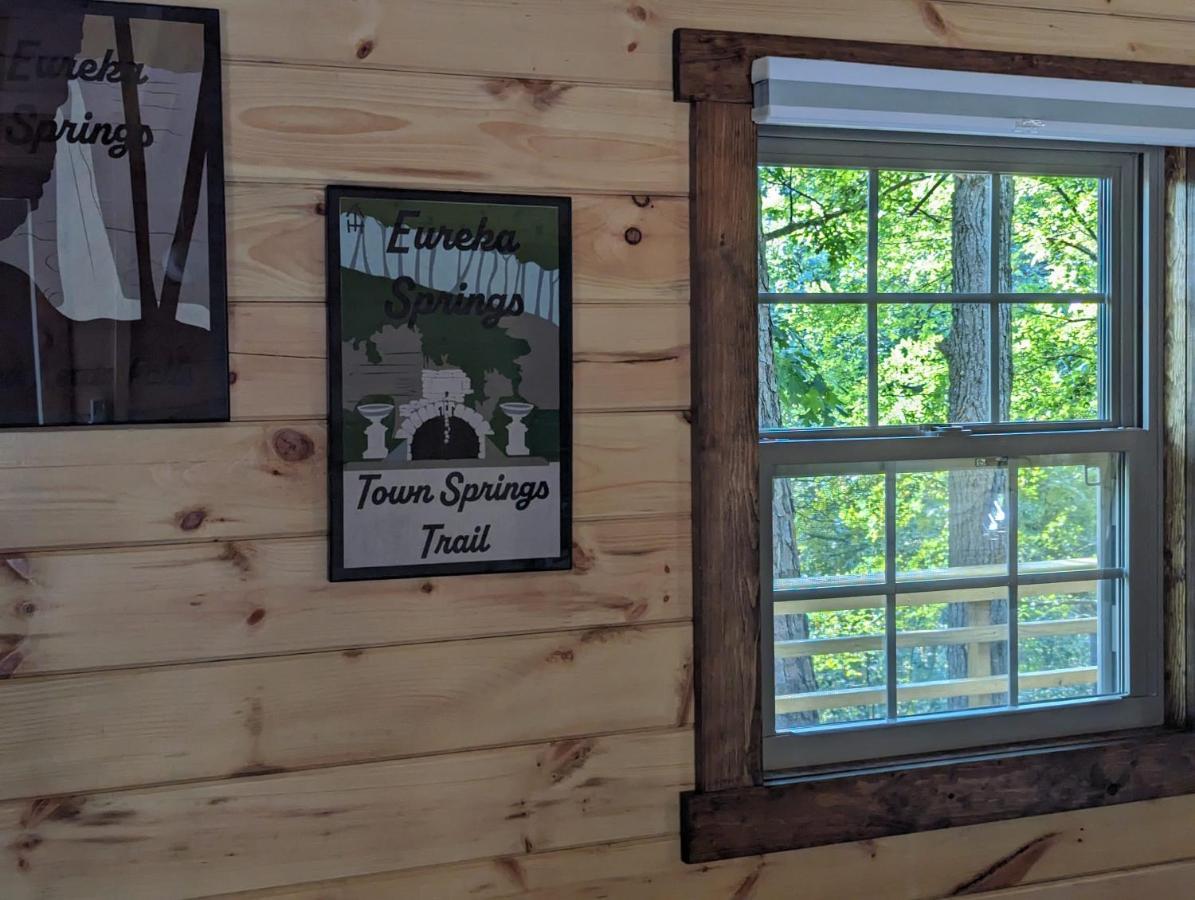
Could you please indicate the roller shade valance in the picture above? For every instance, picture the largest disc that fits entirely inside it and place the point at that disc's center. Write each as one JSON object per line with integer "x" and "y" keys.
{"x": 833, "y": 94}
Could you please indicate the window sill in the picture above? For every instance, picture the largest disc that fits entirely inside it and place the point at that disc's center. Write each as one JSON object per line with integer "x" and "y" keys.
{"x": 816, "y": 810}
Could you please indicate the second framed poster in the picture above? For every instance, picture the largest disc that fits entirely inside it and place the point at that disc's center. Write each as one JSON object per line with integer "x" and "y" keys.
{"x": 450, "y": 394}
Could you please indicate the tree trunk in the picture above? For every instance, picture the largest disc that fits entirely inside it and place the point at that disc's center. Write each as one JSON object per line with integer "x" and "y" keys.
{"x": 795, "y": 675}
{"x": 972, "y": 492}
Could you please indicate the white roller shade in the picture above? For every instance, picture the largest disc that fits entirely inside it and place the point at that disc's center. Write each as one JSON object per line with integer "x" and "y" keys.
{"x": 831, "y": 94}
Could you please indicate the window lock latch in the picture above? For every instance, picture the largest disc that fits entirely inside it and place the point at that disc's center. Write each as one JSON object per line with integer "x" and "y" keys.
{"x": 940, "y": 430}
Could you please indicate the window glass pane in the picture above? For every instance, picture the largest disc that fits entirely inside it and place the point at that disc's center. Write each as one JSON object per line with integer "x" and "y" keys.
{"x": 830, "y": 665}
{"x": 1065, "y": 513}
{"x": 951, "y": 541}
{"x": 1059, "y": 635}
{"x": 952, "y": 523}
{"x": 934, "y": 363}
{"x": 952, "y": 655}
{"x": 934, "y": 232}
{"x": 813, "y": 229}
{"x": 1055, "y": 234}
{"x": 1055, "y": 361}
{"x": 816, "y": 372}
{"x": 829, "y": 530}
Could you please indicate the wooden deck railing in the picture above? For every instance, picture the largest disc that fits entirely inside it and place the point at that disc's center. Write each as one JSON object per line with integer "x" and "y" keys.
{"x": 979, "y": 681}
{"x": 979, "y": 634}
{"x": 933, "y": 690}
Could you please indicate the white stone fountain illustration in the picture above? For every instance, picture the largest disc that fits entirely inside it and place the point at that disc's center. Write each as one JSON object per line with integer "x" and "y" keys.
{"x": 516, "y": 431}
{"x": 375, "y": 431}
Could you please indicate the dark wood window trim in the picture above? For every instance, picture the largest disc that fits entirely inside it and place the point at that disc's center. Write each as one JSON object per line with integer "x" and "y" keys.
{"x": 733, "y": 812}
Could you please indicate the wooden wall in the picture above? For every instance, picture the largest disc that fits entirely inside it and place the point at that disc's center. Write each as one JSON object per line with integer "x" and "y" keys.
{"x": 189, "y": 709}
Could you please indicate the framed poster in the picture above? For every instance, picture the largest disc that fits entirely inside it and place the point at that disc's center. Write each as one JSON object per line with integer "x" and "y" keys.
{"x": 450, "y": 390}
{"x": 112, "y": 265}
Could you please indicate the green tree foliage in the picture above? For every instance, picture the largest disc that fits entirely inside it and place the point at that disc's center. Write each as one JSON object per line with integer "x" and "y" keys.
{"x": 814, "y": 240}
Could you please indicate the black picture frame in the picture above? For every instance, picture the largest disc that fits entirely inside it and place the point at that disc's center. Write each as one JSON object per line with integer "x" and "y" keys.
{"x": 214, "y": 406}
{"x": 337, "y": 570}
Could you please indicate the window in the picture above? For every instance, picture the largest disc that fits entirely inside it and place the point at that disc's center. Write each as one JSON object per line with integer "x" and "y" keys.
{"x": 929, "y": 581}
{"x": 959, "y": 445}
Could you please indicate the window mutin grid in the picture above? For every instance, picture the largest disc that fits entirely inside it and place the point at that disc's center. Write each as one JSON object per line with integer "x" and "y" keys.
{"x": 1120, "y": 175}
{"x": 901, "y": 586}
{"x": 1128, "y": 695}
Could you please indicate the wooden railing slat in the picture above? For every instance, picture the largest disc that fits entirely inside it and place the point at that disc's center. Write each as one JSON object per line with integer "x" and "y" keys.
{"x": 932, "y": 690}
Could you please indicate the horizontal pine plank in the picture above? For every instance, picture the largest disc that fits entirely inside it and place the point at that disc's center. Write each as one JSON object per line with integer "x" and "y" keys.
{"x": 1157, "y": 9}
{"x": 620, "y": 42}
{"x": 77, "y": 610}
{"x": 1172, "y": 880}
{"x": 115, "y": 486}
{"x": 192, "y": 840}
{"x": 276, "y": 245}
{"x": 960, "y": 861}
{"x": 303, "y": 124}
{"x": 106, "y": 730}
{"x": 624, "y": 359}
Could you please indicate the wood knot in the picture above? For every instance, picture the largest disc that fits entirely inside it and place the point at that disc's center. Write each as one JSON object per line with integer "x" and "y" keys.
{"x": 231, "y": 553}
{"x": 364, "y": 48}
{"x": 583, "y": 560}
{"x": 632, "y": 46}
{"x": 427, "y": 587}
{"x": 321, "y": 209}
{"x": 934, "y": 20}
{"x": 52, "y": 809}
{"x": 232, "y": 377}
{"x": 192, "y": 519}
{"x": 544, "y": 94}
{"x": 643, "y": 201}
{"x": 633, "y": 235}
{"x": 292, "y": 445}
{"x": 27, "y": 843}
{"x": 10, "y": 662}
{"x": 26, "y": 608}
{"x": 565, "y": 758}
{"x": 637, "y": 12}
{"x": 256, "y": 617}
{"x": 21, "y": 567}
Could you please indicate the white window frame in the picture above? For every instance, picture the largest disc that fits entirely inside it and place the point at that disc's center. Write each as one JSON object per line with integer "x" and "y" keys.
{"x": 1129, "y": 424}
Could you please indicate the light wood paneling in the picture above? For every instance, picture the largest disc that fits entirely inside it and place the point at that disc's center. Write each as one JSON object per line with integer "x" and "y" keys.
{"x": 624, "y": 359}
{"x": 1174, "y": 10}
{"x": 620, "y": 42}
{"x": 276, "y": 245}
{"x": 417, "y": 130}
{"x": 1174, "y": 880}
{"x": 176, "y": 723}
{"x": 550, "y": 96}
{"x": 109, "y": 487}
{"x": 958, "y": 862}
{"x": 200, "y": 839}
{"x": 188, "y": 602}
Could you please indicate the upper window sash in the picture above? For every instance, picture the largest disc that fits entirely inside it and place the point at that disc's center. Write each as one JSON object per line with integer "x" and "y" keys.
{"x": 1120, "y": 173}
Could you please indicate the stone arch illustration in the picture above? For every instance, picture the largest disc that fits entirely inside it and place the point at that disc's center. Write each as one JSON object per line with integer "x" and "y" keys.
{"x": 447, "y": 414}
